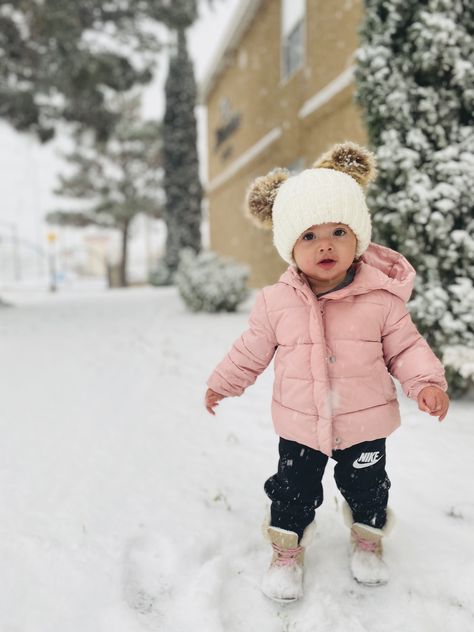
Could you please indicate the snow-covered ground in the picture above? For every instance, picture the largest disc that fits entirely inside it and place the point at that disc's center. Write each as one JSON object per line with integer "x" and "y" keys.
{"x": 126, "y": 507}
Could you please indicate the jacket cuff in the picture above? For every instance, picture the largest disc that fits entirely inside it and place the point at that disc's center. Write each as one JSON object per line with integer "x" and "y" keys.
{"x": 415, "y": 390}
{"x": 219, "y": 386}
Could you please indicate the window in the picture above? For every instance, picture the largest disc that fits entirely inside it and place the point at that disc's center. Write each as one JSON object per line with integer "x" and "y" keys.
{"x": 293, "y": 23}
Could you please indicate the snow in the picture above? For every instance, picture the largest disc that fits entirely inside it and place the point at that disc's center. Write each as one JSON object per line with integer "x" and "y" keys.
{"x": 368, "y": 568}
{"x": 283, "y": 583}
{"x": 127, "y": 507}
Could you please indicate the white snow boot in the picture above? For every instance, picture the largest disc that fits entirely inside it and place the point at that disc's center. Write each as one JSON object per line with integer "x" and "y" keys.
{"x": 283, "y": 581}
{"x": 367, "y": 563}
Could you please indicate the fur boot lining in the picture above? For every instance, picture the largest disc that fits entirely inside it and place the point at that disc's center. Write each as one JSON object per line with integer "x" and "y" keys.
{"x": 347, "y": 515}
{"x": 349, "y": 521}
{"x": 308, "y": 533}
{"x": 388, "y": 526}
{"x": 266, "y": 524}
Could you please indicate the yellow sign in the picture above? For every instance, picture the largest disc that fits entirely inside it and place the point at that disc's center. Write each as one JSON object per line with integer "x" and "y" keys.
{"x": 51, "y": 237}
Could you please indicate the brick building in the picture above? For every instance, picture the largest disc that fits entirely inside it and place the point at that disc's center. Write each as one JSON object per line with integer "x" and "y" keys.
{"x": 279, "y": 92}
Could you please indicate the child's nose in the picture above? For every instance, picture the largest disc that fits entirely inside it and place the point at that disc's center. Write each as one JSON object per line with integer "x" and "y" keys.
{"x": 325, "y": 244}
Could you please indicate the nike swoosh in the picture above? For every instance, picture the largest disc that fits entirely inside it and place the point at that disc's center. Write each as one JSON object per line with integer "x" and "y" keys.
{"x": 359, "y": 466}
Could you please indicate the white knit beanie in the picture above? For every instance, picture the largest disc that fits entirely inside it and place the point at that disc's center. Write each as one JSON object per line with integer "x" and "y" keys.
{"x": 331, "y": 191}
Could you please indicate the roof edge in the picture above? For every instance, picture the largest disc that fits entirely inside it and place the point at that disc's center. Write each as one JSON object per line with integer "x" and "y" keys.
{"x": 240, "y": 21}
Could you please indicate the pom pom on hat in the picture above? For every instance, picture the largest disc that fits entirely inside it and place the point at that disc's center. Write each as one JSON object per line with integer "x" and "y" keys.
{"x": 261, "y": 195}
{"x": 358, "y": 162}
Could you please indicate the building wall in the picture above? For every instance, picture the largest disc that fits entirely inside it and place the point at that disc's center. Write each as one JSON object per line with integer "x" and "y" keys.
{"x": 252, "y": 85}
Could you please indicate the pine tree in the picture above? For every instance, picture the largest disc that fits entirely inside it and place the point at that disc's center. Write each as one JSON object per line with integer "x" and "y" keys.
{"x": 119, "y": 178}
{"x": 180, "y": 158}
{"x": 415, "y": 84}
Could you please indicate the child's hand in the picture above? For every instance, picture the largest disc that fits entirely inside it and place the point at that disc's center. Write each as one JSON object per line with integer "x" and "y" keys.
{"x": 211, "y": 400}
{"x": 434, "y": 401}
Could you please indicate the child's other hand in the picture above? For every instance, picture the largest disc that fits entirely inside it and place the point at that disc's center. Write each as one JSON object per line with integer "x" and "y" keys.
{"x": 211, "y": 399}
{"x": 434, "y": 401}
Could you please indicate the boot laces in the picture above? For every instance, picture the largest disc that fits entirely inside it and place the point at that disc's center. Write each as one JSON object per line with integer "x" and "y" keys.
{"x": 365, "y": 545}
{"x": 286, "y": 557}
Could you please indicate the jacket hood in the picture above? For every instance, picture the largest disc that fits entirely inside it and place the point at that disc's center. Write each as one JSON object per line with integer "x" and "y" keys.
{"x": 379, "y": 268}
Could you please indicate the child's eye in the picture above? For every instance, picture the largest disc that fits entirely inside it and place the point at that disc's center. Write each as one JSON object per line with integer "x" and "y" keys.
{"x": 308, "y": 236}
{"x": 340, "y": 230}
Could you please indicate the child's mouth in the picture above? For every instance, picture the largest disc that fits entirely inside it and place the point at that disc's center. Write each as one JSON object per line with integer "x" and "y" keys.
{"x": 327, "y": 263}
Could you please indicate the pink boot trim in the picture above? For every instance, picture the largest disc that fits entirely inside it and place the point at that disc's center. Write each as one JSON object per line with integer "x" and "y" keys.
{"x": 286, "y": 557}
{"x": 365, "y": 545}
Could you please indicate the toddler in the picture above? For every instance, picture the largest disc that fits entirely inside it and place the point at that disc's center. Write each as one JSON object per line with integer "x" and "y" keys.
{"x": 337, "y": 323}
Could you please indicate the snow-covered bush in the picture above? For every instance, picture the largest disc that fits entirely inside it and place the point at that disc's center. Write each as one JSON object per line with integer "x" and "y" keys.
{"x": 209, "y": 283}
{"x": 459, "y": 361}
{"x": 161, "y": 275}
{"x": 415, "y": 85}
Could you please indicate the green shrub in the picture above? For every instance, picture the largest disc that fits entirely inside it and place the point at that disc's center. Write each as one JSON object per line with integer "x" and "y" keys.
{"x": 161, "y": 275}
{"x": 209, "y": 283}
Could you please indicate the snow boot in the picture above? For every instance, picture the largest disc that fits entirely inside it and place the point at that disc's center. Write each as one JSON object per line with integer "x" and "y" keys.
{"x": 367, "y": 563}
{"x": 283, "y": 581}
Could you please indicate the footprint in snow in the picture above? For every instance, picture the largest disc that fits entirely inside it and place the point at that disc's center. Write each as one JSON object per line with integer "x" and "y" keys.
{"x": 147, "y": 573}
{"x": 199, "y": 606}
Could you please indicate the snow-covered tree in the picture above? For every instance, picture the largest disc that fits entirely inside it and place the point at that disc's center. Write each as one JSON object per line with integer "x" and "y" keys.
{"x": 68, "y": 60}
{"x": 415, "y": 85}
{"x": 115, "y": 180}
{"x": 180, "y": 157}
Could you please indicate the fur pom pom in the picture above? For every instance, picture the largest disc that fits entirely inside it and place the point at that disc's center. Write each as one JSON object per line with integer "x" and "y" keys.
{"x": 261, "y": 195}
{"x": 355, "y": 160}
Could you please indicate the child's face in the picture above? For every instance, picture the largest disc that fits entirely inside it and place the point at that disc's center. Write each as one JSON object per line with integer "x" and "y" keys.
{"x": 335, "y": 242}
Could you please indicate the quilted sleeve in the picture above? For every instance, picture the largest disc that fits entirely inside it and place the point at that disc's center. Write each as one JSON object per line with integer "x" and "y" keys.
{"x": 249, "y": 355}
{"x": 407, "y": 355}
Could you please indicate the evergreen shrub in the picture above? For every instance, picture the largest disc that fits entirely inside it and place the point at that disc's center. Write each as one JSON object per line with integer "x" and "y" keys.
{"x": 161, "y": 275}
{"x": 210, "y": 283}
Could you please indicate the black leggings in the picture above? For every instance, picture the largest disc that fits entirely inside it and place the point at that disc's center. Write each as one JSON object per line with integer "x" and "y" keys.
{"x": 296, "y": 489}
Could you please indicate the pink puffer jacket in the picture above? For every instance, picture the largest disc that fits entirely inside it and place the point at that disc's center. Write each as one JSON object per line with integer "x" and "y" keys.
{"x": 335, "y": 354}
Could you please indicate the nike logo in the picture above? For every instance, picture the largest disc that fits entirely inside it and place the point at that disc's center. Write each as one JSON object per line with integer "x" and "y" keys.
{"x": 367, "y": 459}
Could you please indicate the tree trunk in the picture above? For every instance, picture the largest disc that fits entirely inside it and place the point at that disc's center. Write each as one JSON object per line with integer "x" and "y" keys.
{"x": 123, "y": 260}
